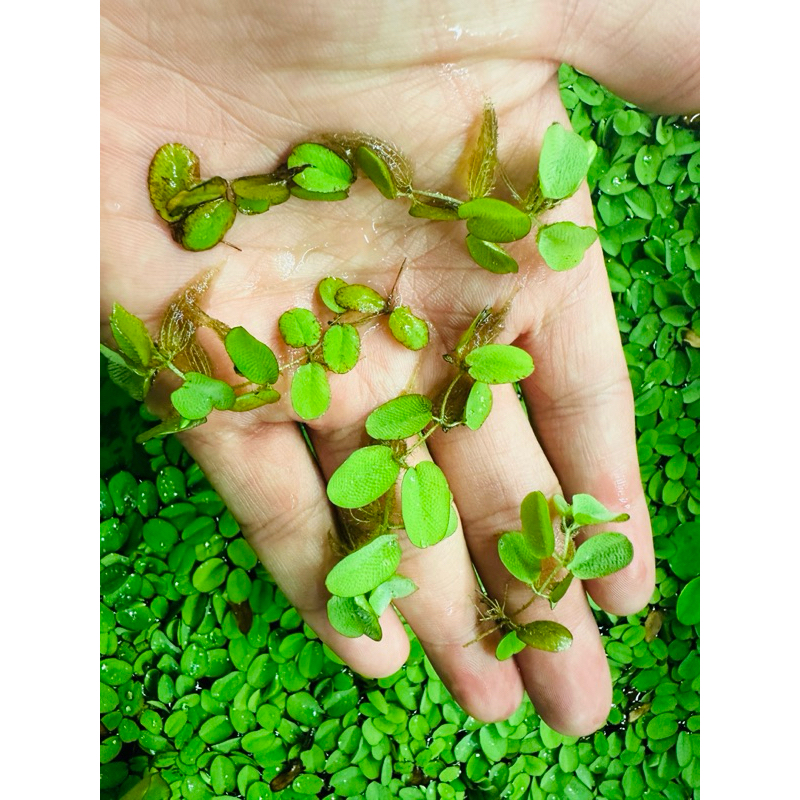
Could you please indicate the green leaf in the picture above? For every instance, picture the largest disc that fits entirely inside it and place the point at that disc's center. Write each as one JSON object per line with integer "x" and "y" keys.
{"x": 255, "y": 194}
{"x": 559, "y": 590}
{"x": 251, "y": 400}
{"x": 545, "y": 635}
{"x": 324, "y": 171}
{"x": 299, "y": 327}
{"x": 563, "y": 162}
{"x": 425, "y": 503}
{"x": 478, "y": 406}
{"x": 357, "y": 297}
{"x": 509, "y": 646}
{"x": 322, "y": 197}
{"x": 174, "y": 169}
{"x": 168, "y": 426}
{"x": 310, "y": 392}
{"x": 366, "y": 568}
{"x": 400, "y": 418}
{"x": 647, "y": 165}
{"x": 408, "y": 329}
{"x": 204, "y": 226}
{"x": 354, "y": 617}
{"x": 517, "y": 556}
{"x": 537, "y": 526}
{"x": 563, "y": 244}
{"x": 499, "y": 363}
{"x": 150, "y": 787}
{"x": 483, "y": 163}
{"x": 327, "y": 289}
{"x": 252, "y": 358}
{"x": 688, "y": 607}
{"x": 626, "y": 122}
{"x": 494, "y": 220}
{"x": 364, "y": 476}
{"x": 341, "y": 346}
{"x": 490, "y": 256}
{"x": 209, "y": 575}
{"x": 199, "y": 395}
{"x": 134, "y": 384}
{"x": 204, "y": 192}
{"x": 588, "y": 511}
{"x": 431, "y": 206}
{"x": 131, "y": 336}
{"x": 377, "y": 170}
{"x": 395, "y": 588}
{"x": 600, "y": 555}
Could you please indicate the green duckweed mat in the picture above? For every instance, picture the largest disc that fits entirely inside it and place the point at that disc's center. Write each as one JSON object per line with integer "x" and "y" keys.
{"x": 212, "y": 687}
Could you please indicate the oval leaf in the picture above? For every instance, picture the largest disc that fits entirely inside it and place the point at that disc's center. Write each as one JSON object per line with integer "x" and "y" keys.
{"x": 131, "y": 336}
{"x": 490, "y": 256}
{"x": 517, "y": 557}
{"x": 537, "y": 526}
{"x": 563, "y": 162}
{"x": 352, "y": 618}
{"x": 341, "y": 346}
{"x": 395, "y": 588}
{"x": 366, "y": 568}
{"x": 425, "y": 504}
{"x": 509, "y": 646}
{"x": 545, "y": 635}
{"x": 325, "y": 171}
{"x": 204, "y": 226}
{"x": 408, "y": 329}
{"x": 601, "y": 555}
{"x": 559, "y": 590}
{"x": 495, "y": 220}
{"x": 255, "y": 194}
{"x": 688, "y": 607}
{"x": 252, "y": 358}
{"x": 310, "y": 392}
{"x": 204, "y": 192}
{"x": 376, "y": 169}
{"x": 199, "y": 395}
{"x": 250, "y": 400}
{"x": 400, "y": 418}
{"x": 588, "y": 511}
{"x": 327, "y": 289}
{"x": 499, "y": 363}
{"x": 174, "y": 168}
{"x": 357, "y": 297}
{"x": 364, "y": 476}
{"x": 479, "y": 405}
{"x": 563, "y": 244}
{"x": 299, "y": 327}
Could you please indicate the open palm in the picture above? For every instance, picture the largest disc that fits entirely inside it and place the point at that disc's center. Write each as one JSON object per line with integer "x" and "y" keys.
{"x": 240, "y": 88}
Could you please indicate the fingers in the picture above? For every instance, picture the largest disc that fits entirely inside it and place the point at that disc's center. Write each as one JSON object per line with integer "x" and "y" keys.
{"x": 273, "y": 488}
{"x": 442, "y": 611}
{"x": 491, "y": 470}
{"x": 581, "y": 405}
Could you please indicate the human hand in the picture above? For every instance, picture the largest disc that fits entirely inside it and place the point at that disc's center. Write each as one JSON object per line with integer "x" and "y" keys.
{"x": 240, "y": 85}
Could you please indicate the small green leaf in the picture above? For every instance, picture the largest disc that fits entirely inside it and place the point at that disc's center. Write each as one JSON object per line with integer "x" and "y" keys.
{"x": 299, "y": 327}
{"x": 478, "y": 406}
{"x": 251, "y": 400}
{"x": 545, "y": 635}
{"x": 322, "y": 197}
{"x": 204, "y": 192}
{"x": 626, "y": 122}
{"x": 324, "y": 171}
{"x": 199, "y": 395}
{"x": 588, "y": 511}
{"x": 490, "y": 256}
{"x": 408, "y": 329}
{"x": 688, "y": 607}
{"x": 255, "y": 194}
{"x": 434, "y": 208}
{"x": 204, "y": 226}
{"x": 376, "y": 169}
{"x": 494, "y": 220}
{"x": 151, "y": 787}
{"x": 400, "y": 418}
{"x": 647, "y": 165}
{"x": 499, "y": 363}
{"x": 357, "y": 297}
{"x": 425, "y": 503}
{"x": 363, "y": 477}
{"x": 174, "y": 169}
{"x": 537, "y": 526}
{"x": 509, "y": 646}
{"x": 133, "y": 383}
{"x": 210, "y": 574}
{"x": 168, "y": 426}
{"x": 601, "y": 555}
{"x": 563, "y": 162}
{"x": 517, "y": 556}
{"x": 131, "y": 336}
{"x": 395, "y": 588}
{"x": 563, "y": 244}
{"x": 483, "y": 163}
{"x": 354, "y": 617}
{"x": 310, "y": 392}
{"x": 252, "y": 358}
{"x": 341, "y": 346}
{"x": 561, "y": 506}
{"x": 327, "y": 289}
{"x": 560, "y": 589}
{"x": 366, "y": 568}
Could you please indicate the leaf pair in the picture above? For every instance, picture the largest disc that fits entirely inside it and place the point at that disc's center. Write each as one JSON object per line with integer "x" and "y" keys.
{"x": 522, "y": 551}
